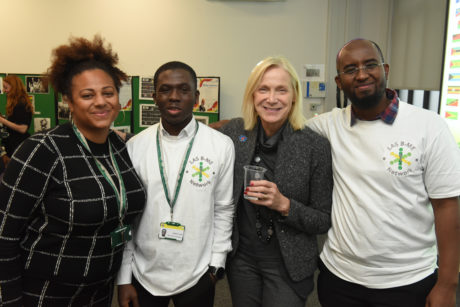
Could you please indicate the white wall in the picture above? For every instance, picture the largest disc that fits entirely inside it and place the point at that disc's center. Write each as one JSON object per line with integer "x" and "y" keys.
{"x": 224, "y": 39}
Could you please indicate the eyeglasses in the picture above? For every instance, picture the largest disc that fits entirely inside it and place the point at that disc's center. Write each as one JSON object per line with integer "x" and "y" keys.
{"x": 353, "y": 70}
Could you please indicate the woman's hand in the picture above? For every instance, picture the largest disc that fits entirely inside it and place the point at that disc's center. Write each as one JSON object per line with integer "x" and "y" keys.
{"x": 268, "y": 195}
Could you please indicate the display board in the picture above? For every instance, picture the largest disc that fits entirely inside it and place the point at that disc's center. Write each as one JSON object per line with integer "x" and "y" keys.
{"x": 44, "y": 116}
{"x": 449, "y": 107}
{"x": 146, "y": 113}
{"x": 138, "y": 110}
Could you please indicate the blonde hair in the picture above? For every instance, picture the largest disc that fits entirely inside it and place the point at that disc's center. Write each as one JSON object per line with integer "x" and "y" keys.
{"x": 295, "y": 117}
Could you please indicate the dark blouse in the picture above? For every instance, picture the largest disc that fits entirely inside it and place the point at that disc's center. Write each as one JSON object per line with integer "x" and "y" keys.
{"x": 20, "y": 116}
{"x": 57, "y": 212}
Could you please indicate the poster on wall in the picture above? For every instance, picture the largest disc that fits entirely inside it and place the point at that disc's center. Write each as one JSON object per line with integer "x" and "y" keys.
{"x": 35, "y": 85}
{"x": 450, "y": 90}
{"x": 148, "y": 115}
{"x": 32, "y": 101}
{"x": 126, "y": 96}
{"x": 203, "y": 119}
{"x": 41, "y": 123}
{"x": 63, "y": 110}
{"x": 208, "y": 101}
{"x": 125, "y": 129}
{"x": 146, "y": 88}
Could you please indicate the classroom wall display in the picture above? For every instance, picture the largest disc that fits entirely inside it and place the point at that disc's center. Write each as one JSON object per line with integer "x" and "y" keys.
{"x": 42, "y": 100}
{"x": 63, "y": 110}
{"x": 149, "y": 115}
{"x": 146, "y": 88}
{"x": 41, "y": 123}
{"x": 126, "y": 95}
{"x": 449, "y": 106}
{"x": 209, "y": 100}
{"x": 209, "y": 88}
{"x": 35, "y": 85}
{"x": 203, "y": 119}
{"x": 125, "y": 129}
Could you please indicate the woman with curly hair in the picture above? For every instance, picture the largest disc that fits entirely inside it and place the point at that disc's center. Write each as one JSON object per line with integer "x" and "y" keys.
{"x": 19, "y": 111}
{"x": 70, "y": 194}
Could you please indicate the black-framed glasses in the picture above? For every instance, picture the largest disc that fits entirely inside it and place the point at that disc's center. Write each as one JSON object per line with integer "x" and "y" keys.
{"x": 353, "y": 70}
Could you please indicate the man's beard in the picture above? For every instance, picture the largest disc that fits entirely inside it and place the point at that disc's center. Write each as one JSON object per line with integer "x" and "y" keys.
{"x": 368, "y": 102}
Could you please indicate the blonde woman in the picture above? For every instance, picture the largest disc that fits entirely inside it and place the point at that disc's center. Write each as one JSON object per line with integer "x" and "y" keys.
{"x": 274, "y": 237}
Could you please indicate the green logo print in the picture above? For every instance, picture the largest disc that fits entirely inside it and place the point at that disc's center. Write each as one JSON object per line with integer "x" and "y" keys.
{"x": 200, "y": 172}
{"x": 400, "y": 158}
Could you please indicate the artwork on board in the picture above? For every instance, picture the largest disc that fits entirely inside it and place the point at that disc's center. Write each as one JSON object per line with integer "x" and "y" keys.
{"x": 63, "y": 110}
{"x": 125, "y": 129}
{"x": 35, "y": 85}
{"x": 208, "y": 101}
{"x": 126, "y": 96}
{"x": 41, "y": 123}
{"x": 32, "y": 101}
{"x": 146, "y": 88}
{"x": 148, "y": 115}
{"x": 204, "y": 119}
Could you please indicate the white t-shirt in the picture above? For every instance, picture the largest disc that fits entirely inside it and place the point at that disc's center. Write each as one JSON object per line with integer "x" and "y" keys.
{"x": 204, "y": 206}
{"x": 382, "y": 233}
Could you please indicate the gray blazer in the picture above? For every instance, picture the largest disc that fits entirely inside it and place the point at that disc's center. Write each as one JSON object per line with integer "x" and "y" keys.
{"x": 303, "y": 173}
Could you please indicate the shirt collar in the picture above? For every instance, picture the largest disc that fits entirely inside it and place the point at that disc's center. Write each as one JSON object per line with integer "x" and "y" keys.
{"x": 388, "y": 115}
{"x": 188, "y": 130}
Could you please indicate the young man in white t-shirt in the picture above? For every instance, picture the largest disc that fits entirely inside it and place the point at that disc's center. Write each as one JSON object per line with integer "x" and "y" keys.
{"x": 395, "y": 199}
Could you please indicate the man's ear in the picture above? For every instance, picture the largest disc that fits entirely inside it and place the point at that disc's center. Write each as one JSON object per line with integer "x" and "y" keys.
{"x": 386, "y": 68}
{"x": 338, "y": 82}
{"x": 197, "y": 97}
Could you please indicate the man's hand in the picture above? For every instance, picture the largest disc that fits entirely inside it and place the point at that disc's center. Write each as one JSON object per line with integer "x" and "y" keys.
{"x": 127, "y": 294}
{"x": 441, "y": 296}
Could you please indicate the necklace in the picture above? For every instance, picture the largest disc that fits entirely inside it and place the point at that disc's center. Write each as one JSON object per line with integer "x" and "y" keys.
{"x": 270, "y": 230}
{"x": 259, "y": 221}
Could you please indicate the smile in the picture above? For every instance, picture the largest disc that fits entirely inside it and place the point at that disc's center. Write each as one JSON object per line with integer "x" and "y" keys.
{"x": 268, "y": 109}
{"x": 101, "y": 113}
{"x": 364, "y": 87}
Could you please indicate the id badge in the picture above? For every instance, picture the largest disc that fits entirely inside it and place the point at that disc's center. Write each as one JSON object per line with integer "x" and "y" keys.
{"x": 121, "y": 235}
{"x": 171, "y": 231}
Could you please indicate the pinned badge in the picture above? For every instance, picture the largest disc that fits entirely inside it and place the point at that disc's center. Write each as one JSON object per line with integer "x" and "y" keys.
{"x": 243, "y": 138}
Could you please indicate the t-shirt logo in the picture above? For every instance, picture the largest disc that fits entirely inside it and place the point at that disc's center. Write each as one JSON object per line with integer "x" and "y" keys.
{"x": 200, "y": 171}
{"x": 401, "y": 158}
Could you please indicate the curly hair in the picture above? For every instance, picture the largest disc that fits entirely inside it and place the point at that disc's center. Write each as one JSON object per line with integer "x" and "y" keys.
{"x": 17, "y": 94}
{"x": 80, "y": 55}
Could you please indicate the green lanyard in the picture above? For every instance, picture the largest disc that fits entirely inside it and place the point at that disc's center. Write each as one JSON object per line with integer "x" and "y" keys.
{"x": 119, "y": 193}
{"x": 180, "y": 176}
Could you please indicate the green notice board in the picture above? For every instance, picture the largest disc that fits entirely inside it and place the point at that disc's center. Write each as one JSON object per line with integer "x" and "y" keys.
{"x": 145, "y": 112}
{"x": 44, "y": 116}
{"x": 136, "y": 115}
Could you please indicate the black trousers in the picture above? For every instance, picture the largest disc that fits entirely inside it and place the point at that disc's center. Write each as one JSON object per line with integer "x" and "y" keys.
{"x": 201, "y": 294}
{"x": 334, "y": 292}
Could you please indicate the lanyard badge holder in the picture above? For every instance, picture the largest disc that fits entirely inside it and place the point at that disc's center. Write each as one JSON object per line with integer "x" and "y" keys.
{"x": 171, "y": 230}
{"x": 122, "y": 233}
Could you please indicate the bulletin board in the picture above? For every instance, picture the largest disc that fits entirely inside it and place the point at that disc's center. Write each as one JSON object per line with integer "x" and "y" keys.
{"x": 145, "y": 112}
{"x": 138, "y": 110}
{"x": 44, "y": 116}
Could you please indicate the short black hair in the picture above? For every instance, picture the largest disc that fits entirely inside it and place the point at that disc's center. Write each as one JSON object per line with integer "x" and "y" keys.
{"x": 174, "y": 65}
{"x": 357, "y": 39}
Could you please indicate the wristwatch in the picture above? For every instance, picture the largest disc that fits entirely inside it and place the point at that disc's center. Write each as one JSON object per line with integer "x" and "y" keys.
{"x": 219, "y": 273}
